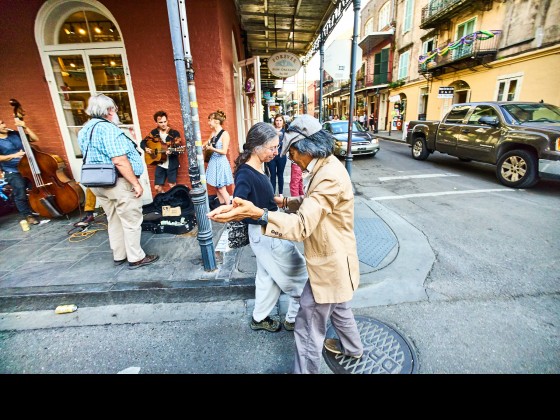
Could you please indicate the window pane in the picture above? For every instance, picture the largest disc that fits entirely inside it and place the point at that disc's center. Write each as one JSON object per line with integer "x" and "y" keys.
{"x": 501, "y": 88}
{"x": 69, "y": 72}
{"x": 81, "y": 27}
{"x": 108, "y": 72}
{"x": 511, "y": 90}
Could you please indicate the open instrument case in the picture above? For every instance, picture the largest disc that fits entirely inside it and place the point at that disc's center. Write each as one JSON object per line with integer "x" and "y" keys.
{"x": 170, "y": 212}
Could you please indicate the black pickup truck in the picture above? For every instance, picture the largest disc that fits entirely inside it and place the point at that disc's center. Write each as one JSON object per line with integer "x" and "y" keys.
{"x": 521, "y": 138}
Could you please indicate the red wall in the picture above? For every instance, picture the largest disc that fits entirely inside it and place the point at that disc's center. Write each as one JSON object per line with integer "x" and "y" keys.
{"x": 146, "y": 34}
{"x": 22, "y": 76}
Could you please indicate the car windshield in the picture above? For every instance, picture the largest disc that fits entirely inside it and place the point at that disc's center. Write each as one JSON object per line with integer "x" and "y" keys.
{"x": 533, "y": 112}
{"x": 342, "y": 127}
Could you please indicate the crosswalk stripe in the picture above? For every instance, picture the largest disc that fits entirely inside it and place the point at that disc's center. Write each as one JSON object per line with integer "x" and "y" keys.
{"x": 390, "y": 178}
{"x": 435, "y": 194}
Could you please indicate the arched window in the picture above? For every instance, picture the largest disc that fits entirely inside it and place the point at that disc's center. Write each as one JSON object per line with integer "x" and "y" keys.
{"x": 83, "y": 54}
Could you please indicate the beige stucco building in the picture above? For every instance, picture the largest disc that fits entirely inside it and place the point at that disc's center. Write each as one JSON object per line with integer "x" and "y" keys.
{"x": 483, "y": 49}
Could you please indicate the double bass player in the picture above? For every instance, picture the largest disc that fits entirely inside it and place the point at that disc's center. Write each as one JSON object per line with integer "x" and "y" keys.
{"x": 11, "y": 152}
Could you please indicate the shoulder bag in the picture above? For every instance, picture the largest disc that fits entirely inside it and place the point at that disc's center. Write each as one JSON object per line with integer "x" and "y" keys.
{"x": 97, "y": 174}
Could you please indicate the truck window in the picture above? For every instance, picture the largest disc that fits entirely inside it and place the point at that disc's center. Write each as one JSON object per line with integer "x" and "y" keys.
{"x": 482, "y": 111}
{"x": 457, "y": 114}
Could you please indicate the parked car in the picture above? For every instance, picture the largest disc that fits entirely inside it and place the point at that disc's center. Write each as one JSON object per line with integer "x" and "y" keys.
{"x": 363, "y": 143}
{"x": 521, "y": 138}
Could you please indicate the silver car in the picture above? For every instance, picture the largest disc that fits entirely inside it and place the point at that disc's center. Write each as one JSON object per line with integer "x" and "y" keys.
{"x": 363, "y": 143}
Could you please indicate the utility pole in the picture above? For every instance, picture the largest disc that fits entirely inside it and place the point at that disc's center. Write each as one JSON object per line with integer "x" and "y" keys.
{"x": 349, "y": 158}
{"x": 189, "y": 112}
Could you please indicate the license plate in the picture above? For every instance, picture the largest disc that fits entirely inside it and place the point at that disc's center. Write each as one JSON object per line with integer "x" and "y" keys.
{"x": 361, "y": 148}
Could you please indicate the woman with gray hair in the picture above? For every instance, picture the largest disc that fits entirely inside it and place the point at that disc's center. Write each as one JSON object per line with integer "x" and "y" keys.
{"x": 280, "y": 265}
{"x": 323, "y": 218}
{"x": 102, "y": 141}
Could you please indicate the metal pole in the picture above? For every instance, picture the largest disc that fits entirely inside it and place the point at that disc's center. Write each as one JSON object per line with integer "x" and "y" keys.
{"x": 179, "y": 39}
{"x": 357, "y": 4}
{"x": 304, "y": 96}
{"x": 321, "y": 69}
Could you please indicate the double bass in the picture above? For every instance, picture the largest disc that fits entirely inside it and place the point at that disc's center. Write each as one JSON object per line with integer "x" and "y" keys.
{"x": 52, "y": 193}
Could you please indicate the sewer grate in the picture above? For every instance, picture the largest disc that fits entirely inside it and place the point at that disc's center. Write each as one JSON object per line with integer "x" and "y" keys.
{"x": 385, "y": 351}
{"x": 374, "y": 240}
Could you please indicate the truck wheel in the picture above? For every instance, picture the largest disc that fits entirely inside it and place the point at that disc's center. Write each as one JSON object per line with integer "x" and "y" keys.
{"x": 419, "y": 149}
{"x": 517, "y": 169}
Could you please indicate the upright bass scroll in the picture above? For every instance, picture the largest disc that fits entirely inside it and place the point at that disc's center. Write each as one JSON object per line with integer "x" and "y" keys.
{"x": 53, "y": 193}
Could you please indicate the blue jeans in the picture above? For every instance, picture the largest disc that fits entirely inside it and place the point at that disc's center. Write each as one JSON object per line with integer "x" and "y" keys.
{"x": 276, "y": 167}
{"x": 19, "y": 185}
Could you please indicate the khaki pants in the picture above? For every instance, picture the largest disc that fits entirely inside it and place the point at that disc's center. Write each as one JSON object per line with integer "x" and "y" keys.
{"x": 124, "y": 219}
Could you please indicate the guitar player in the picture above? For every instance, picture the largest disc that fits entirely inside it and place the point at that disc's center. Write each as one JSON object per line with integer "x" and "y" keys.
{"x": 166, "y": 161}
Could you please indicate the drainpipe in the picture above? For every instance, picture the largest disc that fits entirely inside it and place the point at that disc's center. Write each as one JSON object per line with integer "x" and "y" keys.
{"x": 357, "y": 4}
{"x": 191, "y": 127}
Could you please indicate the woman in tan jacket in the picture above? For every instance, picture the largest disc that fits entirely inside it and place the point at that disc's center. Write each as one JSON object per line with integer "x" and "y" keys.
{"x": 324, "y": 220}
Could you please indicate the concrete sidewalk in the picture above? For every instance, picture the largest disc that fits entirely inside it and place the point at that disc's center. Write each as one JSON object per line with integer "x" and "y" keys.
{"x": 54, "y": 263}
{"x": 50, "y": 265}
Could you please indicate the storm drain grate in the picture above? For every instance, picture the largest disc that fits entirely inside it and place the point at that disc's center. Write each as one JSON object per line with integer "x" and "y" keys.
{"x": 385, "y": 351}
{"x": 374, "y": 239}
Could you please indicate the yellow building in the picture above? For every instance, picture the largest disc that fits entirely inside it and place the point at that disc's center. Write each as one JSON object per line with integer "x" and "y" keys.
{"x": 484, "y": 50}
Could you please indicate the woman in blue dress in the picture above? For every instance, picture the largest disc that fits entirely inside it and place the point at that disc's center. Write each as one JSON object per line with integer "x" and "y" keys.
{"x": 218, "y": 172}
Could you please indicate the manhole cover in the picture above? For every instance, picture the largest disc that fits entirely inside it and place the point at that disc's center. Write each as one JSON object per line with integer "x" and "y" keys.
{"x": 385, "y": 351}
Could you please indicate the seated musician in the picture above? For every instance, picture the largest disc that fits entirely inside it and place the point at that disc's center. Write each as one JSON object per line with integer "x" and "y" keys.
{"x": 167, "y": 162}
{"x": 11, "y": 152}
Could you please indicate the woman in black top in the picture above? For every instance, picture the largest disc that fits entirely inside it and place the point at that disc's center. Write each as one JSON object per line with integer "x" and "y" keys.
{"x": 280, "y": 265}
{"x": 277, "y": 165}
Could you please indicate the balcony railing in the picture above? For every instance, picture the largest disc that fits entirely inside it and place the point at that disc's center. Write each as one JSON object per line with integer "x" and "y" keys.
{"x": 439, "y": 10}
{"x": 469, "y": 51}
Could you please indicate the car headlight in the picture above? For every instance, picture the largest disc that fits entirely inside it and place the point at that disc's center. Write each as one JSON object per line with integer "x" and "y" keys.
{"x": 375, "y": 141}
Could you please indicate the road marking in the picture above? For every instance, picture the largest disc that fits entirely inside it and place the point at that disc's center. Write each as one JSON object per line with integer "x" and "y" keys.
{"x": 399, "y": 197}
{"x": 390, "y": 178}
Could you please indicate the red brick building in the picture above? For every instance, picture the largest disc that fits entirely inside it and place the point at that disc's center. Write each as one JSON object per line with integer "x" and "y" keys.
{"x": 56, "y": 53}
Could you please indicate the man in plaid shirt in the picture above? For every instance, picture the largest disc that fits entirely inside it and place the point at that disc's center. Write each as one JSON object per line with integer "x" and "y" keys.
{"x": 102, "y": 141}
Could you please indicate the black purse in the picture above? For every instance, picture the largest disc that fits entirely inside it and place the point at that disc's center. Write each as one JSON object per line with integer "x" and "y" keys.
{"x": 98, "y": 174}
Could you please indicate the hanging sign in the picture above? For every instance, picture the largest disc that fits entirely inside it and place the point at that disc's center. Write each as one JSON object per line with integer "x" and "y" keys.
{"x": 284, "y": 64}
{"x": 446, "y": 92}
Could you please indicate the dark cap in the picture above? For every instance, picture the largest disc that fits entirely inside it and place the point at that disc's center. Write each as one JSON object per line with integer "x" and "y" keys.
{"x": 303, "y": 126}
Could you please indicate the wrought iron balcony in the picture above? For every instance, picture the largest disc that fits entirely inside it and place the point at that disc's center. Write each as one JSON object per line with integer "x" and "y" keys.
{"x": 472, "y": 50}
{"x": 439, "y": 11}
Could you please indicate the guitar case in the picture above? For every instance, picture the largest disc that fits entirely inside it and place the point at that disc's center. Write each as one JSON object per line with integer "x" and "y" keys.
{"x": 176, "y": 197}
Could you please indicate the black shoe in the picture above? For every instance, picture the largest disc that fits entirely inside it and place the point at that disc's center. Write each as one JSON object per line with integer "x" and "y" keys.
{"x": 267, "y": 324}
{"x": 147, "y": 260}
{"x": 119, "y": 262}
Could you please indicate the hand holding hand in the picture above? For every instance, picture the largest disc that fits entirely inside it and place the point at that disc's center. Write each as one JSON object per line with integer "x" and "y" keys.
{"x": 239, "y": 210}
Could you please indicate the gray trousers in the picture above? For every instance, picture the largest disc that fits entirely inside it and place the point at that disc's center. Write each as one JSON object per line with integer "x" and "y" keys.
{"x": 311, "y": 329}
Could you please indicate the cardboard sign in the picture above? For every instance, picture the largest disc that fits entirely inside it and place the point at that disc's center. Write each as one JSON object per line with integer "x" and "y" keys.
{"x": 170, "y": 211}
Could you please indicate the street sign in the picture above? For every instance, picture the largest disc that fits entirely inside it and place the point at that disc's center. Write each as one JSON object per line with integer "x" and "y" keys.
{"x": 446, "y": 92}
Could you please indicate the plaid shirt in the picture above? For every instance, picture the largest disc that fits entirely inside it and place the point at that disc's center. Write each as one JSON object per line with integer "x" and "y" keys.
{"x": 108, "y": 141}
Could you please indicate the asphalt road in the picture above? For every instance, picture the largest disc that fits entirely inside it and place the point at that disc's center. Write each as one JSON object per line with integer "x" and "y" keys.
{"x": 491, "y": 302}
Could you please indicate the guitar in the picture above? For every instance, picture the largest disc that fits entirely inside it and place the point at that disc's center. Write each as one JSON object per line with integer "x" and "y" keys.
{"x": 159, "y": 152}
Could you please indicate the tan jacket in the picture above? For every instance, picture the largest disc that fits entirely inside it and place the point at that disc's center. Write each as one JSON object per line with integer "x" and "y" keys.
{"x": 324, "y": 221}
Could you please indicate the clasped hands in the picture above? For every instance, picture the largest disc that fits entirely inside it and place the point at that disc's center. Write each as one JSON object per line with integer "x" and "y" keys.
{"x": 239, "y": 209}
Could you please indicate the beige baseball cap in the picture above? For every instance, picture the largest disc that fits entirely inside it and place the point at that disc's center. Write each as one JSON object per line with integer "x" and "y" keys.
{"x": 302, "y": 126}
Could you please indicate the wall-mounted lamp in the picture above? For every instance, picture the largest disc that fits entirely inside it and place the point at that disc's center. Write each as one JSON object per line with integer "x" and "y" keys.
{"x": 112, "y": 28}
{"x": 82, "y": 31}
{"x": 97, "y": 29}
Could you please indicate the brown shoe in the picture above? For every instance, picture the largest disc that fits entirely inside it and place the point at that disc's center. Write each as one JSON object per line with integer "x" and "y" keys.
{"x": 147, "y": 260}
{"x": 333, "y": 346}
{"x": 31, "y": 220}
